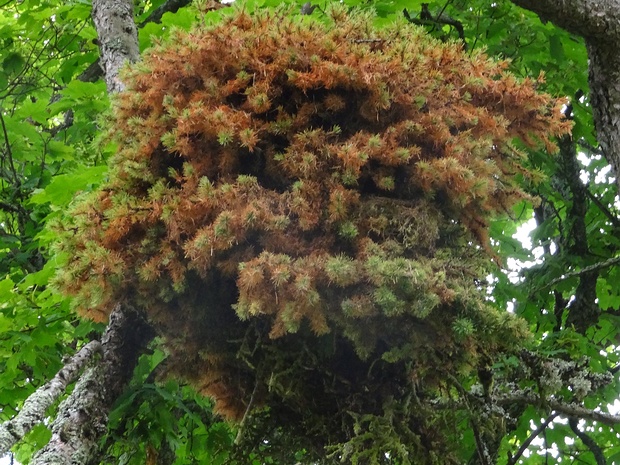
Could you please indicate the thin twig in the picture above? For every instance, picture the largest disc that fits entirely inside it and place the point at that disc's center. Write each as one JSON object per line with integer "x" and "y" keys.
{"x": 9, "y": 152}
{"x": 615, "y": 221}
{"x": 427, "y": 19}
{"x": 245, "y": 415}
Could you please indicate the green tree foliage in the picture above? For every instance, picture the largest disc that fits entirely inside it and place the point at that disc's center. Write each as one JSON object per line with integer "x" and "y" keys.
{"x": 335, "y": 195}
{"x": 40, "y": 56}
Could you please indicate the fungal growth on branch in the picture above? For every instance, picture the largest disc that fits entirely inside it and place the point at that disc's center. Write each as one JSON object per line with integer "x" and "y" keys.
{"x": 300, "y": 208}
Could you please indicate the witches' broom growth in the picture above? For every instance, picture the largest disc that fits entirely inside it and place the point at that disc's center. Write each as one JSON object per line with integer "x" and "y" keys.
{"x": 296, "y": 207}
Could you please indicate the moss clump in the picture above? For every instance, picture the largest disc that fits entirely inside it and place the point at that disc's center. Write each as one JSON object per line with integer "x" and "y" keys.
{"x": 295, "y": 206}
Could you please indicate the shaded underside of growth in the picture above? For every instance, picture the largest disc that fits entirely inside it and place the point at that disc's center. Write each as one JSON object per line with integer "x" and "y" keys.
{"x": 301, "y": 210}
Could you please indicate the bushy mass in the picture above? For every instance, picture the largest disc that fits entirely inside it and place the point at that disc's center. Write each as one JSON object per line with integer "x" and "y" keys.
{"x": 300, "y": 208}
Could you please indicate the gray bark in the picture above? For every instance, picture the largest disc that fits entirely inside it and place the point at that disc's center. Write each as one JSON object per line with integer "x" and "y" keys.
{"x": 33, "y": 411}
{"x": 605, "y": 97}
{"x": 118, "y": 38}
{"x": 94, "y": 71}
{"x": 598, "y": 22}
{"x": 82, "y": 417}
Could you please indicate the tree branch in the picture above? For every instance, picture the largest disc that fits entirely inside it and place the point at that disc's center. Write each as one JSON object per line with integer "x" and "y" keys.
{"x": 10, "y": 208}
{"x": 82, "y": 417}
{"x": 94, "y": 71}
{"x": 34, "y": 408}
{"x": 598, "y": 22}
{"x": 614, "y": 220}
{"x": 591, "y": 19}
{"x": 118, "y": 38}
{"x": 566, "y": 409}
{"x": 427, "y": 19}
{"x": 171, "y": 6}
{"x": 588, "y": 269}
{"x": 588, "y": 442}
{"x": 543, "y": 426}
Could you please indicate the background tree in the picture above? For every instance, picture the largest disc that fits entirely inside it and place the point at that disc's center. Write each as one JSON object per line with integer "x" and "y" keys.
{"x": 569, "y": 297}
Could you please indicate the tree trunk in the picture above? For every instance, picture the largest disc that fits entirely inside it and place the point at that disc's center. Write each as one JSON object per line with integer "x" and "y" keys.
{"x": 118, "y": 38}
{"x": 604, "y": 81}
{"x": 82, "y": 417}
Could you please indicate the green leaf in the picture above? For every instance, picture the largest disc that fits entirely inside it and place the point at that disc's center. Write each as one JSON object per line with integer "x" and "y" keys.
{"x": 148, "y": 33}
{"x": 556, "y": 48}
{"x": 13, "y": 63}
{"x": 77, "y": 10}
{"x": 6, "y": 286}
{"x": 6, "y": 323}
{"x": 35, "y": 440}
{"x": 608, "y": 296}
{"x": 184, "y": 18}
{"x": 60, "y": 150}
{"x": 35, "y": 110}
{"x": 39, "y": 278}
{"x": 77, "y": 90}
{"x": 62, "y": 188}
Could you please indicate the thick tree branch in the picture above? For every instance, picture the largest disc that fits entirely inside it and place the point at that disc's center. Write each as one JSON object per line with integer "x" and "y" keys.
{"x": 566, "y": 409}
{"x": 592, "y": 19}
{"x": 598, "y": 22}
{"x": 82, "y": 417}
{"x": 34, "y": 408}
{"x": 94, "y": 71}
{"x": 604, "y": 79}
{"x": 583, "y": 311}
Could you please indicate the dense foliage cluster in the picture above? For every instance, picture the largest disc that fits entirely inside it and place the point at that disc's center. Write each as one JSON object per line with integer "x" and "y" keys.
{"x": 301, "y": 210}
